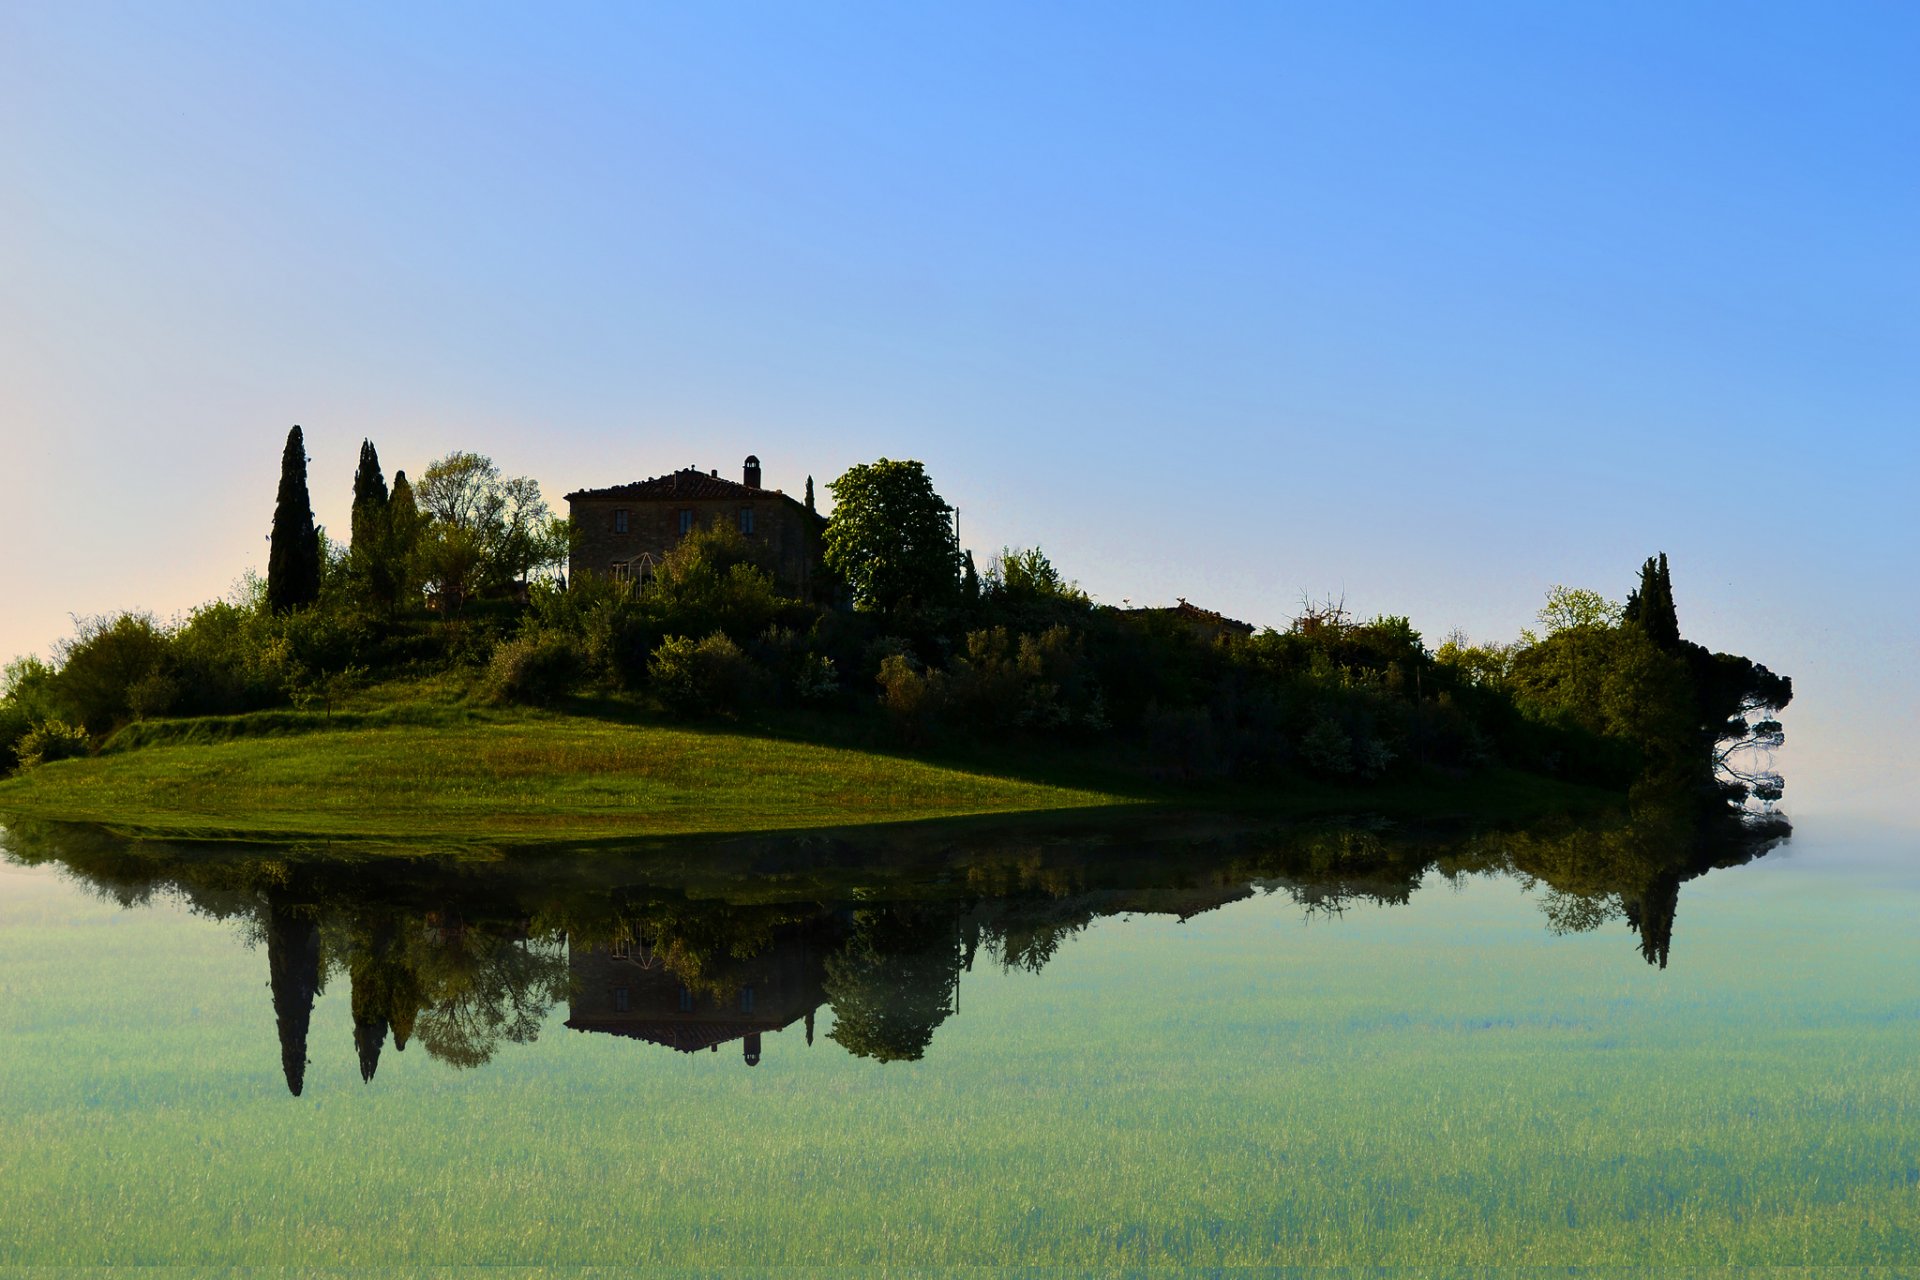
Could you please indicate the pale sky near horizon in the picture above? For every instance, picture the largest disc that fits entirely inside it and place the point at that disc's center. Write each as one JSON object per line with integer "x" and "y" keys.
{"x": 1429, "y": 307}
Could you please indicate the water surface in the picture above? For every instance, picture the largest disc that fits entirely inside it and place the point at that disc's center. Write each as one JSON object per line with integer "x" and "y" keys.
{"x": 1098, "y": 1049}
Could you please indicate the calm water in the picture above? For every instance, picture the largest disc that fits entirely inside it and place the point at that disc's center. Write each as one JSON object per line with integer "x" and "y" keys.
{"x": 1081, "y": 1049}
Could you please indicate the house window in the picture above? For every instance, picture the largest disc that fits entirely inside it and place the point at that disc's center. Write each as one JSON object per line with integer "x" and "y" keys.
{"x": 686, "y": 523}
{"x": 620, "y": 1001}
{"x": 746, "y": 999}
{"x": 620, "y": 520}
{"x": 746, "y": 520}
{"x": 686, "y": 999}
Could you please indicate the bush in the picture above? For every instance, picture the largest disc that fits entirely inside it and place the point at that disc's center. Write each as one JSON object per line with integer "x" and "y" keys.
{"x": 701, "y": 677}
{"x": 913, "y": 698}
{"x": 100, "y": 666}
{"x": 534, "y": 669}
{"x": 53, "y": 740}
{"x": 1037, "y": 682}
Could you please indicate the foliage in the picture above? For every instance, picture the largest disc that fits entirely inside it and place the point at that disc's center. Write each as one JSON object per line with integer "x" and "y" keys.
{"x": 1476, "y": 665}
{"x": 48, "y": 741}
{"x": 403, "y": 545}
{"x": 1569, "y": 607}
{"x": 534, "y": 669}
{"x": 1650, "y": 607}
{"x": 716, "y": 579}
{"x": 380, "y": 561}
{"x": 891, "y": 538}
{"x": 1022, "y": 576}
{"x": 293, "y": 562}
{"x": 101, "y": 666}
{"x": 483, "y": 532}
{"x": 701, "y": 677}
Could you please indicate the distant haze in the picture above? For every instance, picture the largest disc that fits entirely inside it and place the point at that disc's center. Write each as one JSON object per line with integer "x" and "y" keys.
{"x": 1429, "y": 307}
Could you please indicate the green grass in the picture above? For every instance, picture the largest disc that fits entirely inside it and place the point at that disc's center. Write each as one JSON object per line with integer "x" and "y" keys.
{"x": 515, "y": 776}
{"x": 416, "y": 762}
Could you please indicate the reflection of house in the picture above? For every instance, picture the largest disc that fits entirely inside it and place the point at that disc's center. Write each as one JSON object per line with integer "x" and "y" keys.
{"x": 624, "y": 531}
{"x": 625, "y": 990}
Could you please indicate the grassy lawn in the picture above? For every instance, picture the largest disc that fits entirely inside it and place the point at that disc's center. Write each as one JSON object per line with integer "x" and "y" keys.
{"x": 510, "y": 775}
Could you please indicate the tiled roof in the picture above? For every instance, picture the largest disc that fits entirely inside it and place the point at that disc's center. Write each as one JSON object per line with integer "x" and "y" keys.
{"x": 689, "y": 483}
{"x": 1207, "y": 618}
{"x": 689, "y": 1036}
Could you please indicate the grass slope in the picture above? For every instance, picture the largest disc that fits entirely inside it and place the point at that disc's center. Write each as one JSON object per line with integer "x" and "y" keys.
{"x": 523, "y": 775}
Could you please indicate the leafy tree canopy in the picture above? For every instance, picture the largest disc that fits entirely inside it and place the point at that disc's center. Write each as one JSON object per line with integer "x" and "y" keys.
{"x": 891, "y": 537}
{"x": 483, "y": 531}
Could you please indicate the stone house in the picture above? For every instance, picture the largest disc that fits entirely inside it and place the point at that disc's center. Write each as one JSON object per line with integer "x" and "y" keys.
{"x": 624, "y": 531}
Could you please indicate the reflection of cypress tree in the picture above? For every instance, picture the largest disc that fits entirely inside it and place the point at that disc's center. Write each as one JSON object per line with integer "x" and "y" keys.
{"x": 371, "y": 997}
{"x": 386, "y": 994}
{"x": 293, "y": 970}
{"x": 893, "y": 983}
{"x": 1652, "y": 913}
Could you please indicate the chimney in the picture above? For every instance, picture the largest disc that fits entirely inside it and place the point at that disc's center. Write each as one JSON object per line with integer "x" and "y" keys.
{"x": 752, "y": 472}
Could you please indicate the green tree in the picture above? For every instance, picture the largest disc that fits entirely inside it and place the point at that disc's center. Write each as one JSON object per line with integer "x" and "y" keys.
{"x": 484, "y": 531}
{"x": 403, "y": 541}
{"x": 1651, "y": 607}
{"x": 1027, "y": 576}
{"x": 1568, "y": 607}
{"x": 891, "y": 537}
{"x": 371, "y": 554}
{"x": 293, "y": 562}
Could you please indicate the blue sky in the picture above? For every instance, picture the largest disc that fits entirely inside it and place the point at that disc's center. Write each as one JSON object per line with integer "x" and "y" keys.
{"x": 1426, "y": 306}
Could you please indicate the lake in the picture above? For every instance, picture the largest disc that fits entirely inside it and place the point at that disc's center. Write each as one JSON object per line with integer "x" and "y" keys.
{"x": 1180, "y": 1043}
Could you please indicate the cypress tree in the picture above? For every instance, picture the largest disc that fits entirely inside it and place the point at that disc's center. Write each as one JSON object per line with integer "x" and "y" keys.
{"x": 369, "y": 499}
{"x": 809, "y": 493}
{"x": 293, "y": 562}
{"x": 372, "y": 557}
{"x": 1651, "y": 606}
{"x": 403, "y": 540}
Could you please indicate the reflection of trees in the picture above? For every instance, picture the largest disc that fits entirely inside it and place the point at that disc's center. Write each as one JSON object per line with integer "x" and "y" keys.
{"x": 466, "y": 956}
{"x": 293, "y": 974}
{"x": 483, "y": 990}
{"x": 1634, "y": 868}
{"x": 894, "y": 982}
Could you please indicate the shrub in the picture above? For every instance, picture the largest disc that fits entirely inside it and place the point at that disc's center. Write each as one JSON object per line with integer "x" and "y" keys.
{"x": 816, "y": 680}
{"x": 701, "y": 677}
{"x": 53, "y": 740}
{"x": 913, "y": 698}
{"x": 102, "y": 663}
{"x": 1035, "y": 682}
{"x": 534, "y": 669}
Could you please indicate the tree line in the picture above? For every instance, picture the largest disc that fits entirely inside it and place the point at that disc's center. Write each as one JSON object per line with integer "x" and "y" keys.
{"x": 459, "y": 581}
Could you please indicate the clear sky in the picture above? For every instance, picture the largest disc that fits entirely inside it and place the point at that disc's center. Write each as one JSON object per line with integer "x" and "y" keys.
{"x": 1429, "y": 306}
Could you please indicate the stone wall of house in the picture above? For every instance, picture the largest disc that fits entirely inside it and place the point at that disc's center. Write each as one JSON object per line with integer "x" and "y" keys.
{"x": 788, "y": 531}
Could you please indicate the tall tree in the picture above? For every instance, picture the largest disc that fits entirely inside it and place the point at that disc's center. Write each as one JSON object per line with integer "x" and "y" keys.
{"x": 891, "y": 537}
{"x": 369, "y": 497}
{"x": 403, "y": 540}
{"x": 1651, "y": 606}
{"x": 370, "y": 556}
{"x": 293, "y": 561}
